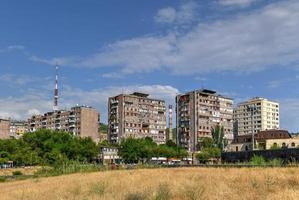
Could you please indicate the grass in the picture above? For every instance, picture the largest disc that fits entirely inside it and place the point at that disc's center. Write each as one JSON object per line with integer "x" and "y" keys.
{"x": 161, "y": 184}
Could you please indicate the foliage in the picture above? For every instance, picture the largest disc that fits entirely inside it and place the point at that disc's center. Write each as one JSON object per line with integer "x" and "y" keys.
{"x": 17, "y": 173}
{"x": 103, "y": 128}
{"x": 135, "y": 150}
{"x": 218, "y": 136}
{"x": 208, "y": 153}
{"x": 258, "y": 160}
{"x": 46, "y": 147}
{"x": 206, "y": 143}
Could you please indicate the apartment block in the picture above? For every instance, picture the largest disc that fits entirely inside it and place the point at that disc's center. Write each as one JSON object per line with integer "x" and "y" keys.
{"x": 136, "y": 115}
{"x": 265, "y": 116}
{"x": 198, "y": 112}
{"x": 18, "y": 128}
{"x": 82, "y": 121}
{"x": 4, "y": 129}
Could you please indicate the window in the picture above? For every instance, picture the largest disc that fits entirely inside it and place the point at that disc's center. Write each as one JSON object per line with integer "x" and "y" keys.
{"x": 293, "y": 144}
{"x": 283, "y": 145}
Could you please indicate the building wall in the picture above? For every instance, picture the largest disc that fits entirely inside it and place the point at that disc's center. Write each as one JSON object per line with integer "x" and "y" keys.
{"x": 4, "y": 129}
{"x": 89, "y": 123}
{"x": 18, "y": 128}
{"x": 81, "y": 121}
{"x": 136, "y": 116}
{"x": 265, "y": 118}
{"x": 198, "y": 112}
{"x": 287, "y": 143}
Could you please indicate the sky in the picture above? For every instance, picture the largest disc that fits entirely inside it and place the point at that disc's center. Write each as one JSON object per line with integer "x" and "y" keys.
{"x": 239, "y": 48}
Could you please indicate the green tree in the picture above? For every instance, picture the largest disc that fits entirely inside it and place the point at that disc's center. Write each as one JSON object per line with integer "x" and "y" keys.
{"x": 218, "y": 136}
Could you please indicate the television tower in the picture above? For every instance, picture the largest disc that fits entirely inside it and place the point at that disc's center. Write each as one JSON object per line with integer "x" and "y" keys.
{"x": 170, "y": 136}
{"x": 55, "y": 106}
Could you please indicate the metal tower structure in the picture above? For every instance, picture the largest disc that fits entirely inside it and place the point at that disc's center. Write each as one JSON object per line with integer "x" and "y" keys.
{"x": 170, "y": 136}
{"x": 55, "y": 106}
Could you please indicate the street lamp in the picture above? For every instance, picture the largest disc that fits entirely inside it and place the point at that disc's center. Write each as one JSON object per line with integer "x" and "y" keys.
{"x": 252, "y": 109}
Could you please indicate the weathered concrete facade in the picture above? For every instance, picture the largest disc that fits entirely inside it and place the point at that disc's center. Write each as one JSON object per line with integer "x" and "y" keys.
{"x": 135, "y": 115}
{"x": 198, "y": 112}
{"x": 82, "y": 121}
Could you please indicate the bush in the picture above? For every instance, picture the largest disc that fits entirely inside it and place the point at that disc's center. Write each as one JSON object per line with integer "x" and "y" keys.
{"x": 258, "y": 160}
{"x": 17, "y": 173}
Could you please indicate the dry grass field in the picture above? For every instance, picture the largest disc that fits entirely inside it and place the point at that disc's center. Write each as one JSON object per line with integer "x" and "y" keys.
{"x": 25, "y": 171}
{"x": 161, "y": 184}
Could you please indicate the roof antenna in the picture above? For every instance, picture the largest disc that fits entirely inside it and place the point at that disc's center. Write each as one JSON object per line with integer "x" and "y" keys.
{"x": 55, "y": 106}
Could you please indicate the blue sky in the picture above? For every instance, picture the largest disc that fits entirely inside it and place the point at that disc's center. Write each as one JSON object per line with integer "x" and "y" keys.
{"x": 240, "y": 48}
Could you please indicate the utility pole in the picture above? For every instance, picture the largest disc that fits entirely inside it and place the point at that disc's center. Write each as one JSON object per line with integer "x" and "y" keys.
{"x": 252, "y": 109}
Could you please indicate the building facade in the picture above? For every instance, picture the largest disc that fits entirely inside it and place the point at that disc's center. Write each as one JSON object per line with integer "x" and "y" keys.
{"x": 265, "y": 116}
{"x": 18, "y": 128}
{"x": 4, "y": 129}
{"x": 198, "y": 112}
{"x": 82, "y": 121}
{"x": 263, "y": 140}
{"x": 138, "y": 116}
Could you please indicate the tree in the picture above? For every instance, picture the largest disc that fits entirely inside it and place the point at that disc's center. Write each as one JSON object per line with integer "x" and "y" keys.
{"x": 46, "y": 147}
{"x": 218, "y": 136}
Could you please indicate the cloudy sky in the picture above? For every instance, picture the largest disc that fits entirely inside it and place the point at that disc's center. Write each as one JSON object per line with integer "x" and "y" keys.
{"x": 240, "y": 48}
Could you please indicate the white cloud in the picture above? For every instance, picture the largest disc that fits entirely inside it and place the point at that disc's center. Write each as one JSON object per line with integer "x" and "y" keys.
{"x": 166, "y": 15}
{"x": 241, "y": 3}
{"x": 289, "y": 118}
{"x": 19, "y": 80}
{"x": 39, "y": 101}
{"x": 12, "y": 48}
{"x": 264, "y": 38}
{"x": 185, "y": 14}
{"x": 52, "y": 61}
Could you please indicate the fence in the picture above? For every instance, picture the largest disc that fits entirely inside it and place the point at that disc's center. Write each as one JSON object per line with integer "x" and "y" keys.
{"x": 286, "y": 155}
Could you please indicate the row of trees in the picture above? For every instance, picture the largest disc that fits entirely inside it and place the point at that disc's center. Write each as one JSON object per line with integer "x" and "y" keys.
{"x": 212, "y": 147}
{"x": 46, "y": 147}
{"x": 142, "y": 150}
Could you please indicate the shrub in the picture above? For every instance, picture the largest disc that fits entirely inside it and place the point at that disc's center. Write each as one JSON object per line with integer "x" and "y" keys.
{"x": 258, "y": 160}
{"x": 17, "y": 173}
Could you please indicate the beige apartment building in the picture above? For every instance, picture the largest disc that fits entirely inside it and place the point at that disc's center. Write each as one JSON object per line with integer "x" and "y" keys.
{"x": 18, "y": 128}
{"x": 4, "y": 129}
{"x": 265, "y": 116}
{"x": 198, "y": 112}
{"x": 82, "y": 121}
{"x": 136, "y": 115}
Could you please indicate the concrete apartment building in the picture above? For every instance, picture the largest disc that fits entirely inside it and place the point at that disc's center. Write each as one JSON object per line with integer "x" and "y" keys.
{"x": 4, "y": 129}
{"x": 18, "y": 128}
{"x": 136, "y": 115}
{"x": 265, "y": 116}
{"x": 82, "y": 121}
{"x": 198, "y": 112}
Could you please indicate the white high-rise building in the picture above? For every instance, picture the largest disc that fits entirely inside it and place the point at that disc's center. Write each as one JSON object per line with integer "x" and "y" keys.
{"x": 265, "y": 116}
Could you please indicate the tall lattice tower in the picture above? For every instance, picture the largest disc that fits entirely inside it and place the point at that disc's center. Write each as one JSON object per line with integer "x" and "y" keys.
{"x": 170, "y": 136}
{"x": 55, "y": 106}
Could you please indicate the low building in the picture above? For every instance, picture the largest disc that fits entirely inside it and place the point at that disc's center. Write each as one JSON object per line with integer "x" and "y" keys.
{"x": 82, "y": 121}
{"x": 4, "y": 129}
{"x": 109, "y": 155}
{"x": 263, "y": 140}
